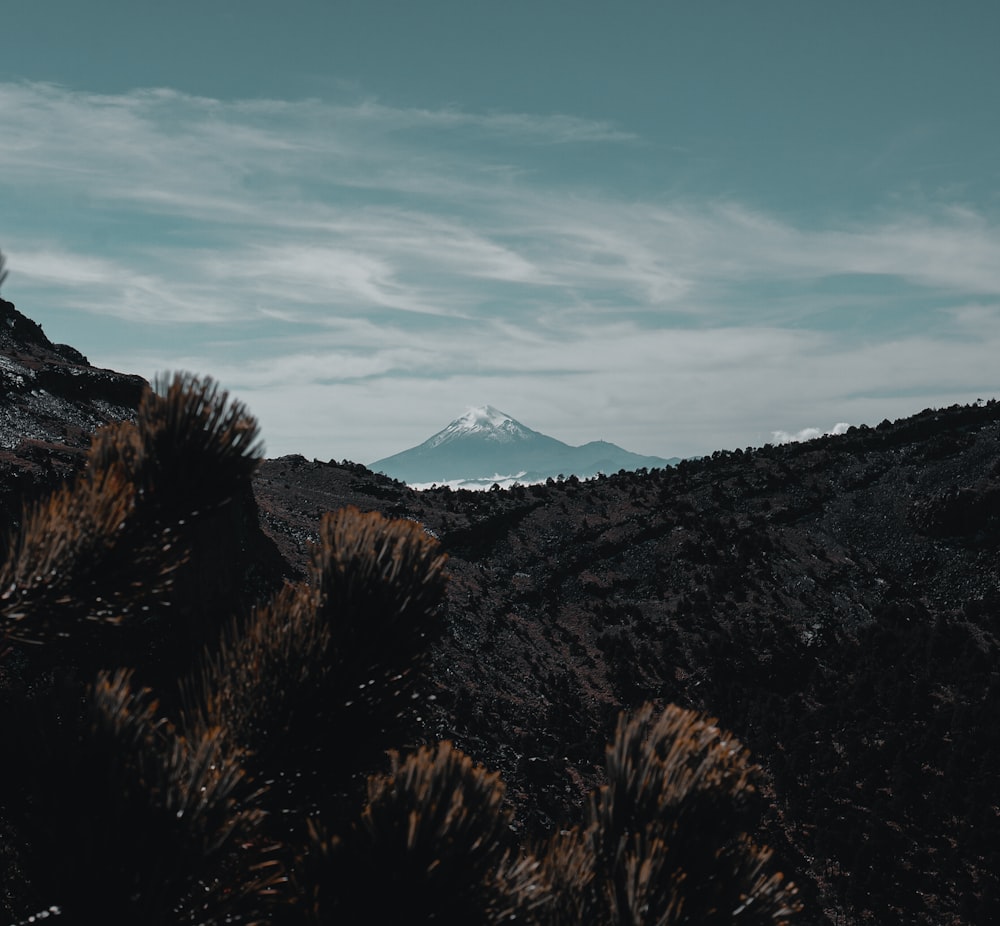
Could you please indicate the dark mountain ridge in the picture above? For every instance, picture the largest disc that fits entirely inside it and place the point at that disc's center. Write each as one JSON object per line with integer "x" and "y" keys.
{"x": 835, "y": 603}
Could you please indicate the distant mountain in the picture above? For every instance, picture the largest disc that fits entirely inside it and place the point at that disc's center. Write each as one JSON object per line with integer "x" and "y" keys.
{"x": 486, "y": 445}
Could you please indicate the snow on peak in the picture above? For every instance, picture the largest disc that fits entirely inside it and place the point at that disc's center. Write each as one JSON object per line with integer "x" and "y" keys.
{"x": 483, "y": 421}
{"x": 484, "y": 416}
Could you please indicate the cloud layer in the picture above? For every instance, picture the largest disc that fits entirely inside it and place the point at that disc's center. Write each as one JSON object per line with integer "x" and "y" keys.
{"x": 360, "y": 273}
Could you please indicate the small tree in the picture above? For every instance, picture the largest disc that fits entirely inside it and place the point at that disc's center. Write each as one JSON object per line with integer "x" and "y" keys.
{"x": 3, "y": 273}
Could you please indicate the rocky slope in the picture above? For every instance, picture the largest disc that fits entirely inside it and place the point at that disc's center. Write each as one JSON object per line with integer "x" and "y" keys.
{"x": 51, "y": 400}
{"x": 835, "y": 603}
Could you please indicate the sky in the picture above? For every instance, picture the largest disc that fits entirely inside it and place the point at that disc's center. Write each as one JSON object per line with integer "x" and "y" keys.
{"x": 676, "y": 226}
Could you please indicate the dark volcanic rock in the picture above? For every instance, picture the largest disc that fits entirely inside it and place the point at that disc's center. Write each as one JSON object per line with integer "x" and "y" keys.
{"x": 51, "y": 400}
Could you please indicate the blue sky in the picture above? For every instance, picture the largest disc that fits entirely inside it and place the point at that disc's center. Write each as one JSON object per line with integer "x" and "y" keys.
{"x": 675, "y": 226}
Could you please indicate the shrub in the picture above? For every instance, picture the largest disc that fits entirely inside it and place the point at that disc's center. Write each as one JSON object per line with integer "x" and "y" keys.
{"x": 425, "y": 848}
{"x": 128, "y": 821}
{"x": 667, "y": 839}
{"x": 327, "y": 662}
{"x": 106, "y": 547}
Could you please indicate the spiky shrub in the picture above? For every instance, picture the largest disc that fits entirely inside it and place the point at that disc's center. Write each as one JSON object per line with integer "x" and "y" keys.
{"x": 108, "y": 545}
{"x": 92, "y": 574}
{"x": 667, "y": 839}
{"x": 148, "y": 825}
{"x": 379, "y": 585}
{"x": 194, "y": 445}
{"x": 378, "y": 581}
{"x": 327, "y": 662}
{"x": 369, "y": 606}
{"x": 425, "y": 849}
{"x": 77, "y": 560}
{"x": 190, "y": 446}
{"x": 264, "y": 689}
{"x": 249, "y": 684}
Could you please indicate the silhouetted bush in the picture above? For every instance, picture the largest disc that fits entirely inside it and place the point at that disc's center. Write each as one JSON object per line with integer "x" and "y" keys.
{"x": 426, "y": 848}
{"x": 127, "y": 821}
{"x": 194, "y": 446}
{"x": 326, "y": 662}
{"x": 81, "y": 557}
{"x": 668, "y": 838}
{"x": 106, "y": 547}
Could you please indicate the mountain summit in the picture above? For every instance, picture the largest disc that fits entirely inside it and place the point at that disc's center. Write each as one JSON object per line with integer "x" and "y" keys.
{"x": 485, "y": 422}
{"x": 486, "y": 446}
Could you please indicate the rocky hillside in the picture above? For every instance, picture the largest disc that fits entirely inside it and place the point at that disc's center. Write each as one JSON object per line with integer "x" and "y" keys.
{"x": 51, "y": 400}
{"x": 835, "y": 603}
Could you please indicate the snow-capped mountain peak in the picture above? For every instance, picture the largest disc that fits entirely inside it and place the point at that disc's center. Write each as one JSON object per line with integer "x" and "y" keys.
{"x": 484, "y": 422}
{"x": 485, "y": 446}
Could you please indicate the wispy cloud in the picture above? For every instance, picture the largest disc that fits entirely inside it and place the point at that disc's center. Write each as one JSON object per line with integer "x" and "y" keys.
{"x": 378, "y": 268}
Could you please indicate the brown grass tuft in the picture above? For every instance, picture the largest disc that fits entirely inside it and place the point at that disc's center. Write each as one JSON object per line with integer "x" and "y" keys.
{"x": 426, "y": 847}
{"x": 666, "y": 840}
